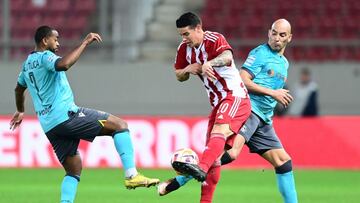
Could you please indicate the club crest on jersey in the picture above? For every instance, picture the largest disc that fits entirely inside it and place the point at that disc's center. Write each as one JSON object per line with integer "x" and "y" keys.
{"x": 271, "y": 72}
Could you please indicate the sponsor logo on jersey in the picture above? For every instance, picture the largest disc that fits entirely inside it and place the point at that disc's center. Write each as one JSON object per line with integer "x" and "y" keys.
{"x": 271, "y": 72}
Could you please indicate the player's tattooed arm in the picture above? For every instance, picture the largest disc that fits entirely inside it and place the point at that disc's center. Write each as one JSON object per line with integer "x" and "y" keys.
{"x": 224, "y": 59}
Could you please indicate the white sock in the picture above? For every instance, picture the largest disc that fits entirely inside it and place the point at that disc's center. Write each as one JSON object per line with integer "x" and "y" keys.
{"x": 131, "y": 172}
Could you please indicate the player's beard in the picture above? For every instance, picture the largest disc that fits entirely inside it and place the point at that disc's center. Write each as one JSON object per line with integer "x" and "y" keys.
{"x": 53, "y": 50}
{"x": 277, "y": 47}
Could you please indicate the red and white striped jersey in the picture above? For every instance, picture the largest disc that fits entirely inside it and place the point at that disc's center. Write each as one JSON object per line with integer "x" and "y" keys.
{"x": 228, "y": 78}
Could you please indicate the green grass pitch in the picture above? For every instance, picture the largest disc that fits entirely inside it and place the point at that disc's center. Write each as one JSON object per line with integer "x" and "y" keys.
{"x": 236, "y": 186}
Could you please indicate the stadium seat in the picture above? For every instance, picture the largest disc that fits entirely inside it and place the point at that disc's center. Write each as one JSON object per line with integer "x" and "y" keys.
{"x": 297, "y": 53}
{"x": 56, "y": 21}
{"x": 242, "y": 52}
{"x": 85, "y": 7}
{"x": 327, "y": 27}
{"x": 17, "y": 6}
{"x": 349, "y": 28}
{"x": 59, "y": 7}
{"x": 311, "y": 19}
{"x": 334, "y": 53}
{"x": 69, "y": 17}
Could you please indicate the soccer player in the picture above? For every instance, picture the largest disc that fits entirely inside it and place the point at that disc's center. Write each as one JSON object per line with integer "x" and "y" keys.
{"x": 264, "y": 73}
{"x": 209, "y": 56}
{"x": 64, "y": 123}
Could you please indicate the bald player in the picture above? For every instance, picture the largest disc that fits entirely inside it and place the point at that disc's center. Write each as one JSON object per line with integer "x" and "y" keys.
{"x": 264, "y": 73}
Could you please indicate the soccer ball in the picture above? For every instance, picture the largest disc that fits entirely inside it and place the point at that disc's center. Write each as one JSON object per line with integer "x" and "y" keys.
{"x": 185, "y": 155}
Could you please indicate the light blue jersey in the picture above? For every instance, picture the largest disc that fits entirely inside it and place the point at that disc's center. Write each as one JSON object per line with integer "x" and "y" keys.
{"x": 268, "y": 69}
{"x": 49, "y": 89}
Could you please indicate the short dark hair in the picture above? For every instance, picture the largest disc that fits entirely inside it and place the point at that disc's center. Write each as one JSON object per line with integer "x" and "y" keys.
{"x": 42, "y": 32}
{"x": 188, "y": 19}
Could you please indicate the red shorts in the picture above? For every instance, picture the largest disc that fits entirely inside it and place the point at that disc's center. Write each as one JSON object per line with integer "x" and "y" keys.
{"x": 233, "y": 111}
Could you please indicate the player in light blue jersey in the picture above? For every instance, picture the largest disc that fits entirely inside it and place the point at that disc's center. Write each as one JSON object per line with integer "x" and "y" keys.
{"x": 264, "y": 74}
{"x": 268, "y": 69}
{"x": 64, "y": 123}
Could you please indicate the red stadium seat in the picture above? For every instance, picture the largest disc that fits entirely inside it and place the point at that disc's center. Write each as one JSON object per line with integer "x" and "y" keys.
{"x": 310, "y": 19}
{"x": 357, "y": 54}
{"x": 237, "y": 20}
{"x": 334, "y": 53}
{"x": 17, "y": 6}
{"x": 298, "y": 53}
{"x": 59, "y": 7}
{"x": 242, "y": 52}
{"x": 237, "y": 7}
{"x": 254, "y": 28}
{"x": 215, "y": 6}
{"x": 85, "y": 7}
{"x": 212, "y": 21}
{"x": 301, "y": 28}
{"x": 349, "y": 28}
{"x": 69, "y": 17}
{"x": 327, "y": 27}
{"x": 56, "y": 21}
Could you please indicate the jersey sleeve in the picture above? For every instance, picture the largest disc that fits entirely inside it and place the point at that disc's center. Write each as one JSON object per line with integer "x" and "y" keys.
{"x": 254, "y": 62}
{"x": 221, "y": 45}
{"x": 49, "y": 60}
{"x": 180, "y": 59}
{"x": 21, "y": 79}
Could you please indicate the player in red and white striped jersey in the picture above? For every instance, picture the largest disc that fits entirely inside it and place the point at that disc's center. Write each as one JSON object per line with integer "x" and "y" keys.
{"x": 209, "y": 56}
{"x": 212, "y": 53}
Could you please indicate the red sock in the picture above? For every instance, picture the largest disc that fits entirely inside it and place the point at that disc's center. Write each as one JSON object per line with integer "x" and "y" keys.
{"x": 214, "y": 149}
{"x": 208, "y": 187}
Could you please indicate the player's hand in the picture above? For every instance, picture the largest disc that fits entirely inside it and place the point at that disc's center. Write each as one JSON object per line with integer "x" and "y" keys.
{"x": 16, "y": 120}
{"x": 283, "y": 97}
{"x": 91, "y": 37}
{"x": 208, "y": 71}
{"x": 194, "y": 69}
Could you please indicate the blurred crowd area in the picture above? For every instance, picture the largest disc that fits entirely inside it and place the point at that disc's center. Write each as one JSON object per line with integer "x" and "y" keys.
{"x": 325, "y": 43}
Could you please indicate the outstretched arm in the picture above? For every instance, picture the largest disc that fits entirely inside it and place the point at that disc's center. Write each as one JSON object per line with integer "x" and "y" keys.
{"x": 68, "y": 60}
{"x": 20, "y": 107}
{"x": 280, "y": 95}
{"x": 224, "y": 59}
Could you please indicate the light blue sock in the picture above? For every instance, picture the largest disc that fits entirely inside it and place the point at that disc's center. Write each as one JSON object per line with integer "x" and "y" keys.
{"x": 182, "y": 180}
{"x": 68, "y": 189}
{"x": 286, "y": 185}
{"x": 125, "y": 149}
